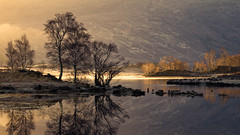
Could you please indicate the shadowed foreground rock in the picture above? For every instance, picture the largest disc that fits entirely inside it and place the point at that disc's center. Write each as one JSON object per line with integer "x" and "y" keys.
{"x": 122, "y": 91}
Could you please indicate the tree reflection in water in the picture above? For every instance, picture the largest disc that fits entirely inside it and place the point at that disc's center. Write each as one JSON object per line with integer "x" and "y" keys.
{"x": 100, "y": 116}
{"x": 55, "y": 126}
{"x": 20, "y": 122}
{"x": 108, "y": 115}
{"x": 79, "y": 122}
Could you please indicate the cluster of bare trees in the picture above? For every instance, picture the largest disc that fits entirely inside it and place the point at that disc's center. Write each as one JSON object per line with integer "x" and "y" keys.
{"x": 69, "y": 44}
{"x": 105, "y": 63}
{"x": 166, "y": 63}
{"x": 19, "y": 54}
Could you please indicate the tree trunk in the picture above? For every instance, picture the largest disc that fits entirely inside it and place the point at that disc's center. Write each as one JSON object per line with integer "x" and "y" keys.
{"x": 60, "y": 119}
{"x": 61, "y": 65}
{"x": 75, "y": 114}
{"x": 108, "y": 82}
{"x": 96, "y": 80}
{"x": 75, "y": 73}
{"x": 12, "y": 66}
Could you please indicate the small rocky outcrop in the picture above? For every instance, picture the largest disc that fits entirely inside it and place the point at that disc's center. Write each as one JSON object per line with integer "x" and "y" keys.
{"x": 138, "y": 93}
{"x": 122, "y": 91}
{"x": 172, "y": 93}
{"x": 160, "y": 92}
{"x": 191, "y": 93}
{"x": 218, "y": 82}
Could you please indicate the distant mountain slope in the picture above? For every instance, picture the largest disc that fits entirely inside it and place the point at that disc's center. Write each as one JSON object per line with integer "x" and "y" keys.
{"x": 147, "y": 30}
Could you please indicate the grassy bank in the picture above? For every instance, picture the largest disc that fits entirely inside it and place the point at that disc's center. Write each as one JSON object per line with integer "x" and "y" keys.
{"x": 26, "y": 76}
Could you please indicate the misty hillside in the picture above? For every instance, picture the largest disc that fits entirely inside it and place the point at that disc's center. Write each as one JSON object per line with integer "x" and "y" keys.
{"x": 147, "y": 30}
{"x": 144, "y": 29}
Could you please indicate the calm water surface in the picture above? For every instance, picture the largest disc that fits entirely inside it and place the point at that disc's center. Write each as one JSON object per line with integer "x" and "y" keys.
{"x": 108, "y": 114}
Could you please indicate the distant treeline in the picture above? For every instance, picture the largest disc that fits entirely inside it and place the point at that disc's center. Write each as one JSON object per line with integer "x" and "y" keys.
{"x": 209, "y": 64}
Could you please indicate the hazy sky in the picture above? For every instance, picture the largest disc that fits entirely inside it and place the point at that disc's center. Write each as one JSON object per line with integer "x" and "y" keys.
{"x": 18, "y": 17}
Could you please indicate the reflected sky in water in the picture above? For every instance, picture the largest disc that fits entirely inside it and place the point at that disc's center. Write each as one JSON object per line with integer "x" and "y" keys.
{"x": 181, "y": 115}
{"x": 108, "y": 114}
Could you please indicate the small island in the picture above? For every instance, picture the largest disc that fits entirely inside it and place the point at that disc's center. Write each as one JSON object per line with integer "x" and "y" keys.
{"x": 223, "y": 71}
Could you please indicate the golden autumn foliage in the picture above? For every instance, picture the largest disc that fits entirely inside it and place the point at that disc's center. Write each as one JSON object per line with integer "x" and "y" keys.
{"x": 199, "y": 67}
{"x": 210, "y": 62}
{"x": 166, "y": 63}
{"x": 149, "y": 68}
{"x": 228, "y": 60}
{"x": 171, "y": 63}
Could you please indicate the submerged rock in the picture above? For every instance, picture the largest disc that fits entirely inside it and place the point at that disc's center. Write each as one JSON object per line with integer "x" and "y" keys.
{"x": 138, "y": 93}
{"x": 160, "y": 93}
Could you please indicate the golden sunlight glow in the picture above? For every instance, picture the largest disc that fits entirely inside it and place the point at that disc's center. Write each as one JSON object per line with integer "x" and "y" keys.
{"x": 139, "y": 76}
{"x": 122, "y": 76}
{"x": 4, "y": 120}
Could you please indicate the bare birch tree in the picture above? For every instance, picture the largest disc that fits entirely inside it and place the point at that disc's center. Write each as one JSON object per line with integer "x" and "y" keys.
{"x": 77, "y": 51}
{"x": 106, "y": 62}
{"x": 57, "y": 29}
{"x": 11, "y": 55}
{"x": 24, "y": 54}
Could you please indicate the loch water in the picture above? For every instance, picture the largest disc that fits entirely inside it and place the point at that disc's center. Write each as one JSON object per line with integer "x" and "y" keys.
{"x": 73, "y": 114}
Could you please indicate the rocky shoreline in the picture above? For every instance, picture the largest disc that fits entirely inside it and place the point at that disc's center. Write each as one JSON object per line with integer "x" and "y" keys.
{"x": 65, "y": 87}
{"x": 32, "y": 95}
